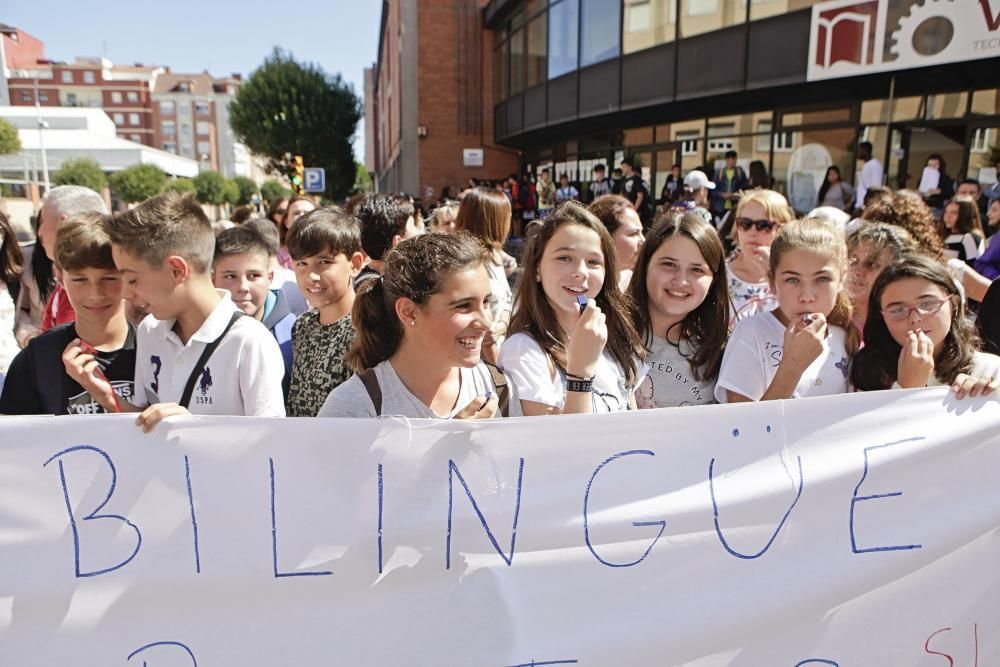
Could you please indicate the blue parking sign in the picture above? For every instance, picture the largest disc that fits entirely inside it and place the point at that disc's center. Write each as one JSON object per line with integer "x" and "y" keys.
{"x": 314, "y": 179}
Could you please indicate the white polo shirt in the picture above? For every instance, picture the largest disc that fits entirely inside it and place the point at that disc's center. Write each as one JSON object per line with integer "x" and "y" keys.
{"x": 242, "y": 377}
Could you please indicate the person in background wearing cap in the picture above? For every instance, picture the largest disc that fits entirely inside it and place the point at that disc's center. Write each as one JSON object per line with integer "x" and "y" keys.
{"x": 696, "y": 195}
{"x": 729, "y": 181}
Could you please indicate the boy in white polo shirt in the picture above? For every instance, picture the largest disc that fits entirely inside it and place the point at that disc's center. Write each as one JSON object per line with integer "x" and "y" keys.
{"x": 195, "y": 353}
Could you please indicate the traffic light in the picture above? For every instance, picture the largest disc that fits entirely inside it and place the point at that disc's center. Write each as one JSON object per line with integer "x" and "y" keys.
{"x": 298, "y": 171}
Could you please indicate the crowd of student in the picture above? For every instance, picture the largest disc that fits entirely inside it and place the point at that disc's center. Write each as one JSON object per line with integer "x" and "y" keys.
{"x": 358, "y": 311}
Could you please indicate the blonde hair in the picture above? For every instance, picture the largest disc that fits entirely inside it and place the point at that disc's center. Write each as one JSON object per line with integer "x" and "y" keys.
{"x": 820, "y": 237}
{"x": 774, "y": 204}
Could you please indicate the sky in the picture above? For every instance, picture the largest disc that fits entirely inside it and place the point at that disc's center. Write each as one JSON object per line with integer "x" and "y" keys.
{"x": 221, "y": 36}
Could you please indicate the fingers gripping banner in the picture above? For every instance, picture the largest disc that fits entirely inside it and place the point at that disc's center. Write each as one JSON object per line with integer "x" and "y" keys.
{"x": 858, "y": 530}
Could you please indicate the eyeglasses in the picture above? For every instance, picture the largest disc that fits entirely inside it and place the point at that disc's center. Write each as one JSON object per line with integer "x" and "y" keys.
{"x": 762, "y": 225}
{"x": 924, "y": 307}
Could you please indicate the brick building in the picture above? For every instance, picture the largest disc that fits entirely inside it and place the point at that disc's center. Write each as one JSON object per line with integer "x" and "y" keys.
{"x": 432, "y": 109}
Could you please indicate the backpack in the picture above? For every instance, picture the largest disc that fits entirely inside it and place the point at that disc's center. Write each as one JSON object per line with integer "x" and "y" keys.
{"x": 370, "y": 381}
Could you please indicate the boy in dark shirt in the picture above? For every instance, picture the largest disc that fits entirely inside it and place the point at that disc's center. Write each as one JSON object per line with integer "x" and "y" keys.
{"x": 37, "y": 382}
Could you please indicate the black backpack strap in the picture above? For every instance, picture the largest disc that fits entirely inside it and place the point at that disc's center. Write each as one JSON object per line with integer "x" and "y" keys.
{"x": 370, "y": 382}
{"x": 503, "y": 389}
{"x": 203, "y": 359}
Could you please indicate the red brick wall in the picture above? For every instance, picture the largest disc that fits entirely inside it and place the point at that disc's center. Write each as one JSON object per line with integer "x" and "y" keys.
{"x": 23, "y": 52}
{"x": 438, "y": 84}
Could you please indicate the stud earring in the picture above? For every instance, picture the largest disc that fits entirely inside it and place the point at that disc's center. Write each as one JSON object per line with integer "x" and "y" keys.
{"x": 413, "y": 323}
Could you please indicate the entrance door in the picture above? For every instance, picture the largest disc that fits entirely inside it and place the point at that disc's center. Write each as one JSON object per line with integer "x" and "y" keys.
{"x": 917, "y": 143}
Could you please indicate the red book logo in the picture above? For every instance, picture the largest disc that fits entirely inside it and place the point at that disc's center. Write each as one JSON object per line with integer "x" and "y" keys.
{"x": 848, "y": 34}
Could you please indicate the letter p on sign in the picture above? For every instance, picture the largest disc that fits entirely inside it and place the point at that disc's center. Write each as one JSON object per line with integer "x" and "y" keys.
{"x": 315, "y": 179}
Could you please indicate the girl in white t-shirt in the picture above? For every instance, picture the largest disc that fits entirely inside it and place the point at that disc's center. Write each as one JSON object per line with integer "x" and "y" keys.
{"x": 563, "y": 357}
{"x": 420, "y": 328}
{"x": 804, "y": 346}
{"x": 485, "y": 214}
{"x": 917, "y": 334}
{"x": 681, "y": 311}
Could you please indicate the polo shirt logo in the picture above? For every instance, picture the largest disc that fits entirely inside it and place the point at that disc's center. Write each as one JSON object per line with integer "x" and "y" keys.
{"x": 204, "y": 385}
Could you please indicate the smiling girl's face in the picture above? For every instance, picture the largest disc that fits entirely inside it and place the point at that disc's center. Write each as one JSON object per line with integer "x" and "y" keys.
{"x": 572, "y": 264}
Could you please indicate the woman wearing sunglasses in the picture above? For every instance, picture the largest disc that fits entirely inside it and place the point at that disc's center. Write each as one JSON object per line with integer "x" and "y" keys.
{"x": 917, "y": 334}
{"x": 759, "y": 215}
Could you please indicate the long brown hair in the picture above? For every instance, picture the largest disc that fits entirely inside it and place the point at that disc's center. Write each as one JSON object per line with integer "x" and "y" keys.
{"x": 283, "y": 227}
{"x": 414, "y": 269}
{"x": 705, "y": 328}
{"x": 818, "y": 236}
{"x": 968, "y": 218}
{"x": 876, "y": 365}
{"x": 485, "y": 213}
{"x": 11, "y": 259}
{"x": 534, "y": 316}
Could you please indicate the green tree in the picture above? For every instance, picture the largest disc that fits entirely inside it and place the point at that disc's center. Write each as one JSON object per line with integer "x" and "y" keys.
{"x": 231, "y": 192}
{"x": 82, "y": 171}
{"x": 138, "y": 182}
{"x": 181, "y": 185}
{"x": 210, "y": 187}
{"x": 247, "y": 190}
{"x": 271, "y": 190}
{"x": 362, "y": 179}
{"x": 10, "y": 142}
{"x": 286, "y": 107}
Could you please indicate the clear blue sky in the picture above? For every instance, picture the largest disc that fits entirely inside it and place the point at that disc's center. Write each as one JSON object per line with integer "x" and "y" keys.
{"x": 222, "y": 37}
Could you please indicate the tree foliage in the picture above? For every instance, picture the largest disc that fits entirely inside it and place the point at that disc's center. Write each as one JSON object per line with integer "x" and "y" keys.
{"x": 286, "y": 107}
{"x": 271, "y": 190}
{"x": 81, "y": 171}
{"x": 10, "y": 142}
{"x": 231, "y": 192}
{"x": 362, "y": 179}
{"x": 247, "y": 189}
{"x": 181, "y": 185}
{"x": 138, "y": 182}
{"x": 210, "y": 187}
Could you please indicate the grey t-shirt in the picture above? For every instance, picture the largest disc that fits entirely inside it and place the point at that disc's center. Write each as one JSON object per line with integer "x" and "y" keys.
{"x": 351, "y": 399}
{"x": 669, "y": 383}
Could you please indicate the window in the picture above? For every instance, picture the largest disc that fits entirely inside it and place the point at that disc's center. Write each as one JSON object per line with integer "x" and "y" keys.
{"x": 784, "y": 142}
{"x": 203, "y": 127}
{"x": 137, "y": 138}
{"x": 516, "y": 62}
{"x": 981, "y": 140}
{"x": 185, "y": 129}
{"x": 537, "y": 36}
{"x": 187, "y": 151}
{"x": 201, "y": 108}
{"x": 689, "y": 141}
{"x": 501, "y": 69}
{"x": 185, "y": 108}
{"x": 170, "y": 146}
{"x": 600, "y": 30}
{"x": 116, "y": 97}
{"x": 167, "y": 108}
{"x": 67, "y": 76}
{"x": 133, "y": 97}
{"x": 648, "y": 23}
{"x": 168, "y": 128}
{"x": 701, "y": 16}
{"x": 564, "y": 28}
{"x": 43, "y": 97}
{"x": 119, "y": 118}
{"x": 720, "y": 137}
{"x": 88, "y": 77}
{"x": 71, "y": 99}
{"x": 204, "y": 148}
{"x": 133, "y": 119}
{"x": 25, "y": 97}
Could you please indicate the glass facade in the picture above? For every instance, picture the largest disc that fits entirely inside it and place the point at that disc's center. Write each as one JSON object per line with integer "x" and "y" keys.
{"x": 648, "y": 23}
{"x": 600, "y": 30}
{"x": 564, "y": 31}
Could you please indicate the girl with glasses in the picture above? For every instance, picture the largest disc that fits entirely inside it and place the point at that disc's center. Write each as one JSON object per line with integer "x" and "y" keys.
{"x": 757, "y": 219}
{"x": 917, "y": 334}
{"x": 804, "y": 346}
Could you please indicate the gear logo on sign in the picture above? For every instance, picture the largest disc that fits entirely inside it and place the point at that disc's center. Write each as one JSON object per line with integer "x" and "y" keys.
{"x": 848, "y": 37}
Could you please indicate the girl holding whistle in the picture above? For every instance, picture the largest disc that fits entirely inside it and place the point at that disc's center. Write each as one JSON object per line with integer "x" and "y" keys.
{"x": 572, "y": 347}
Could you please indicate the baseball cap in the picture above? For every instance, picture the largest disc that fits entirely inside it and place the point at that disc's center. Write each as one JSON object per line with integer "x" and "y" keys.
{"x": 696, "y": 180}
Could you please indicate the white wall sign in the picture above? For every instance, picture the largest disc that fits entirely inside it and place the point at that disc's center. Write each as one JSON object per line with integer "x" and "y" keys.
{"x": 849, "y": 38}
{"x": 857, "y": 530}
{"x": 473, "y": 157}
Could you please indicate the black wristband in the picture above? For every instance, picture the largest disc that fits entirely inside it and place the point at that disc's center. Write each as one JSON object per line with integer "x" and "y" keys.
{"x": 581, "y": 386}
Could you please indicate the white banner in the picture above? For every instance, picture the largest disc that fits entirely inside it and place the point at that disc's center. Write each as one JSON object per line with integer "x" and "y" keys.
{"x": 858, "y": 530}
{"x": 856, "y": 37}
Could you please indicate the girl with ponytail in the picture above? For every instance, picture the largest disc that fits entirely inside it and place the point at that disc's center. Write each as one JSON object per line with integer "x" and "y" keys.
{"x": 420, "y": 330}
{"x": 804, "y": 346}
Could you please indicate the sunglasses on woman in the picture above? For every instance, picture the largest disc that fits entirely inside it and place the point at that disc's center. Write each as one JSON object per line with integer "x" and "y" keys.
{"x": 924, "y": 307}
{"x": 762, "y": 225}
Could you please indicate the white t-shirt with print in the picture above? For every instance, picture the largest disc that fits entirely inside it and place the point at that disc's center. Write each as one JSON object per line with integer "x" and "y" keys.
{"x": 754, "y": 352}
{"x": 747, "y": 299}
{"x": 527, "y": 366}
{"x": 669, "y": 382}
{"x": 241, "y": 378}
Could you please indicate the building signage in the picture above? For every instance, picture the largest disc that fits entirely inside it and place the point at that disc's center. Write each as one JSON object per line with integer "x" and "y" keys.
{"x": 849, "y": 38}
{"x": 472, "y": 157}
